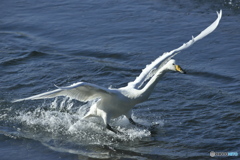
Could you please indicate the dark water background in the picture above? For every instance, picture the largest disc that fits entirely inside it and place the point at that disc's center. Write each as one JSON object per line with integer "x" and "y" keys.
{"x": 108, "y": 42}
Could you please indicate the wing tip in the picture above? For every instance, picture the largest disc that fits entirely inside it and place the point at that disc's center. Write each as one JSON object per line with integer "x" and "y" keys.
{"x": 219, "y": 13}
{"x": 17, "y": 100}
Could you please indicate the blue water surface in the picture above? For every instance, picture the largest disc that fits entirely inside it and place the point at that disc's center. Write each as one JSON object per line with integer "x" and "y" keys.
{"x": 108, "y": 43}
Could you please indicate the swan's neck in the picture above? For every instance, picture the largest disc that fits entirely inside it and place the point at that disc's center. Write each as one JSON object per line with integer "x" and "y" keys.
{"x": 148, "y": 88}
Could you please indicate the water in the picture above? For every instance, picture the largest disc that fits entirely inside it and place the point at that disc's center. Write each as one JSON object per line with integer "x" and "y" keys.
{"x": 108, "y": 43}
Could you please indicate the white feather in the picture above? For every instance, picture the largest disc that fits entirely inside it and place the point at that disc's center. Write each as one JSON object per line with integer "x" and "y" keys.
{"x": 160, "y": 61}
{"x": 80, "y": 91}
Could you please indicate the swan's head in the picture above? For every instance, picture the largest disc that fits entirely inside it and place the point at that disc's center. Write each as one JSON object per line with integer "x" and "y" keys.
{"x": 172, "y": 66}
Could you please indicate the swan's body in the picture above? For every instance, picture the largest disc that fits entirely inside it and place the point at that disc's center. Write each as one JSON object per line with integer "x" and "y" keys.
{"x": 113, "y": 103}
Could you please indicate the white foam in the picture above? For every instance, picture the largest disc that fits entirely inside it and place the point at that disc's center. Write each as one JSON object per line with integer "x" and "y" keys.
{"x": 58, "y": 125}
{"x": 61, "y": 121}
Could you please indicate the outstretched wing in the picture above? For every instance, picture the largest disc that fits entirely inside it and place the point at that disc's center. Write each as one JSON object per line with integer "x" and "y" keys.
{"x": 150, "y": 69}
{"x": 80, "y": 91}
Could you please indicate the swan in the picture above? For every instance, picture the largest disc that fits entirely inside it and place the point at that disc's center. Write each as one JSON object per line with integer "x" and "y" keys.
{"x": 114, "y": 102}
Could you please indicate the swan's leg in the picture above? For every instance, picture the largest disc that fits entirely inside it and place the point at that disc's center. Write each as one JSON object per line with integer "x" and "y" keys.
{"x": 128, "y": 115}
{"x": 111, "y": 129}
{"x": 106, "y": 119}
{"x": 107, "y": 126}
{"x": 136, "y": 124}
{"x": 151, "y": 128}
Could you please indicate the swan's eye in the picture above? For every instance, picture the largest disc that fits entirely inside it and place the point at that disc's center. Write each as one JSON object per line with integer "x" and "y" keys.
{"x": 173, "y": 64}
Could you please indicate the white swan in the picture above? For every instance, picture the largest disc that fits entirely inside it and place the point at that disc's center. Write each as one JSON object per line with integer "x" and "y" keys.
{"x": 113, "y": 103}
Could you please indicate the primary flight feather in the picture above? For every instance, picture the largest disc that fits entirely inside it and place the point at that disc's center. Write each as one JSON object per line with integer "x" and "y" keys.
{"x": 113, "y": 103}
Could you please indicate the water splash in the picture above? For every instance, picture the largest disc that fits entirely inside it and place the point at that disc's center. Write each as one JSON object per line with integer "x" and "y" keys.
{"x": 58, "y": 125}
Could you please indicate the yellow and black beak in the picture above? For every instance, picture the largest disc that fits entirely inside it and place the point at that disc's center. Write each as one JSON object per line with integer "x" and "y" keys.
{"x": 179, "y": 69}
